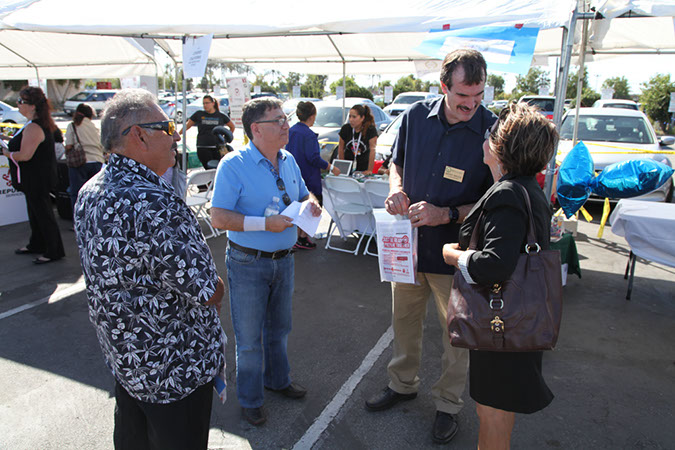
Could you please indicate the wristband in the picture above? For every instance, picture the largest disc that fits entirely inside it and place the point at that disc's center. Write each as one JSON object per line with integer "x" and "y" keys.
{"x": 254, "y": 223}
{"x": 463, "y": 263}
{"x": 330, "y": 167}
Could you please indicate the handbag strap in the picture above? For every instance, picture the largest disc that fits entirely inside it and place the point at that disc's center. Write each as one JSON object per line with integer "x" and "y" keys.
{"x": 75, "y": 131}
{"x": 531, "y": 239}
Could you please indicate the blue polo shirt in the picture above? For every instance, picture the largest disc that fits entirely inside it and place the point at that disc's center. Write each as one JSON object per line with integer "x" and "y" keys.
{"x": 245, "y": 184}
{"x": 442, "y": 165}
{"x": 304, "y": 146}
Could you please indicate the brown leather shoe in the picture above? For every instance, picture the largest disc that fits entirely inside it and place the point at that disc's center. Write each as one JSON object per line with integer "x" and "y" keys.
{"x": 386, "y": 399}
{"x": 445, "y": 428}
{"x": 254, "y": 416}
{"x": 293, "y": 390}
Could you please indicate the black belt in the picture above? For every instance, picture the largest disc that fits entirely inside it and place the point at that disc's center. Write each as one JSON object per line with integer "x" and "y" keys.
{"x": 251, "y": 251}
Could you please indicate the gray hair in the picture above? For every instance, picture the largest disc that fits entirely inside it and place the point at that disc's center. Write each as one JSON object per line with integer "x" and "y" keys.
{"x": 255, "y": 110}
{"x": 127, "y": 107}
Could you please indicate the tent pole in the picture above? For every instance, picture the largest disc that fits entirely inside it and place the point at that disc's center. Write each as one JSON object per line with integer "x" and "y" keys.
{"x": 344, "y": 88}
{"x": 580, "y": 80}
{"x": 185, "y": 147}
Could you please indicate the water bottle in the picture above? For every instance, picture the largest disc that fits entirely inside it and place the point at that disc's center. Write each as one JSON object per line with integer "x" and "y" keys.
{"x": 273, "y": 208}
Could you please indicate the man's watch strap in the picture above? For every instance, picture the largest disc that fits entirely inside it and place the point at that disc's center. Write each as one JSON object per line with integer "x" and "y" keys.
{"x": 453, "y": 213}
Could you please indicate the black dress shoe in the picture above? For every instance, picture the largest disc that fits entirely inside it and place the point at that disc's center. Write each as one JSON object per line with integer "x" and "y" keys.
{"x": 254, "y": 416}
{"x": 445, "y": 428}
{"x": 386, "y": 399}
{"x": 43, "y": 260}
{"x": 25, "y": 251}
{"x": 293, "y": 390}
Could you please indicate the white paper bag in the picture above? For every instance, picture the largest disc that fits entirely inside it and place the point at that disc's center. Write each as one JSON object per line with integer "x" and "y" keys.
{"x": 396, "y": 247}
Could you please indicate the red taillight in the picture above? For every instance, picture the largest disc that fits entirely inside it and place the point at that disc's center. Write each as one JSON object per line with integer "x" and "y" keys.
{"x": 549, "y": 117}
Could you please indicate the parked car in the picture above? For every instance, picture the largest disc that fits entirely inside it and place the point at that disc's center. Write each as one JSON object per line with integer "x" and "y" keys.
{"x": 95, "y": 98}
{"x": 498, "y": 104}
{"x": 545, "y": 103}
{"x": 198, "y": 104}
{"x": 405, "y": 99}
{"x": 616, "y": 103}
{"x": 618, "y": 131}
{"x": 329, "y": 120}
{"x": 10, "y": 114}
{"x": 264, "y": 94}
{"x": 290, "y": 105}
{"x": 387, "y": 138}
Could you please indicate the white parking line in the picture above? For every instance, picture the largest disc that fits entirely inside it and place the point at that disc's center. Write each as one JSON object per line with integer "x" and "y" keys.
{"x": 60, "y": 294}
{"x": 331, "y": 410}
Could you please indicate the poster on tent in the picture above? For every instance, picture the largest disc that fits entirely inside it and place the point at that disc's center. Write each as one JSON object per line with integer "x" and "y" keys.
{"x": 239, "y": 91}
{"x": 195, "y": 55}
{"x": 12, "y": 202}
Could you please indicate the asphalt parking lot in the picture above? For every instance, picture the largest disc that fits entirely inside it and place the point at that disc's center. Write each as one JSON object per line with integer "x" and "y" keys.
{"x": 613, "y": 372}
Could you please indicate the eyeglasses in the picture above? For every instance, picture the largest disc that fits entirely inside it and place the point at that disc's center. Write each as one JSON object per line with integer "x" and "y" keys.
{"x": 22, "y": 102}
{"x": 167, "y": 126}
{"x": 490, "y": 130}
{"x": 280, "y": 121}
{"x": 282, "y": 187}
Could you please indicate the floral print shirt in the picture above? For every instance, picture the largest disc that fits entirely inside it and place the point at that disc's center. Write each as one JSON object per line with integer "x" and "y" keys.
{"x": 148, "y": 272}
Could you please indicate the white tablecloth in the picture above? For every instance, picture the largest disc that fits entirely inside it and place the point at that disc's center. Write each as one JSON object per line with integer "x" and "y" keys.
{"x": 649, "y": 229}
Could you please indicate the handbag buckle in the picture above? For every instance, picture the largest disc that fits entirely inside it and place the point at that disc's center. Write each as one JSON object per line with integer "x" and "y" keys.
{"x": 535, "y": 247}
{"x": 497, "y": 325}
{"x": 495, "y": 300}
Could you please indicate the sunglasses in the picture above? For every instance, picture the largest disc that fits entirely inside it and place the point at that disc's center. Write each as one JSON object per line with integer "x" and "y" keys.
{"x": 167, "y": 126}
{"x": 490, "y": 130}
{"x": 22, "y": 102}
{"x": 280, "y": 121}
{"x": 282, "y": 187}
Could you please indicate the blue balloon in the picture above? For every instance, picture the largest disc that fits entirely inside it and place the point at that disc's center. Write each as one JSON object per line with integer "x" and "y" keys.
{"x": 574, "y": 179}
{"x": 631, "y": 178}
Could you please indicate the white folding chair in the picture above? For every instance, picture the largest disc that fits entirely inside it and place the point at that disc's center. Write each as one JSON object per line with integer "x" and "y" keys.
{"x": 377, "y": 192}
{"x": 198, "y": 201}
{"x": 347, "y": 199}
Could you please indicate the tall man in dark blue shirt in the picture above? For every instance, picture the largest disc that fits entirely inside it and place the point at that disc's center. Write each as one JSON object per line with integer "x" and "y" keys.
{"x": 437, "y": 175}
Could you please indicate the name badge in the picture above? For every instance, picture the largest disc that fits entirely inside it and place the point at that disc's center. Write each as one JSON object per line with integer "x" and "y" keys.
{"x": 454, "y": 174}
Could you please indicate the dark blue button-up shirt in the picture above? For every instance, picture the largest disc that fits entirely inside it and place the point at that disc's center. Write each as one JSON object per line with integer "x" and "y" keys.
{"x": 304, "y": 146}
{"x": 433, "y": 155}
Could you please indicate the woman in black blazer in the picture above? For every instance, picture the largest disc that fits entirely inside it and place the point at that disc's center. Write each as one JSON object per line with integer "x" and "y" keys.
{"x": 518, "y": 146}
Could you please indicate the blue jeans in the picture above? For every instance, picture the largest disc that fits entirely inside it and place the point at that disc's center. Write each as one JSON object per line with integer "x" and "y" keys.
{"x": 261, "y": 291}
{"x": 80, "y": 175}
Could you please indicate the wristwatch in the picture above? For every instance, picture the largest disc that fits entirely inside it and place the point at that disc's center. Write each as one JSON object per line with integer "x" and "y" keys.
{"x": 453, "y": 214}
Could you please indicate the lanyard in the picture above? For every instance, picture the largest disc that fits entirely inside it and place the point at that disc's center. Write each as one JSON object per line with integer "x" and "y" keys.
{"x": 356, "y": 146}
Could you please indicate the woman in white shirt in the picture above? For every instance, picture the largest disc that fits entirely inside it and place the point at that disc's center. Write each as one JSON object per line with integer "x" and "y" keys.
{"x": 82, "y": 129}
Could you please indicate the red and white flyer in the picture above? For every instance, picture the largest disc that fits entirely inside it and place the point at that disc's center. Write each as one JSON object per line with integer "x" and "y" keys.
{"x": 396, "y": 247}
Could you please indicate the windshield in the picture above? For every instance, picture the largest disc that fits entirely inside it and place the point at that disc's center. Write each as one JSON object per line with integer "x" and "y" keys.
{"x": 329, "y": 116}
{"x": 80, "y": 97}
{"x": 544, "y": 104}
{"x": 632, "y": 130}
{"x": 395, "y": 125}
{"x": 408, "y": 99}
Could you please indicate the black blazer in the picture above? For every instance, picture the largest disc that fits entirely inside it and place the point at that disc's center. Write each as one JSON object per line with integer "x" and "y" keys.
{"x": 503, "y": 233}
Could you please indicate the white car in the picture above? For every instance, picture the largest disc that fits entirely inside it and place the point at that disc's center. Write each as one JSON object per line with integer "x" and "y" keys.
{"x": 405, "y": 99}
{"x": 290, "y": 105}
{"x": 616, "y": 103}
{"x": 386, "y": 139}
{"x": 10, "y": 114}
{"x": 95, "y": 98}
{"x": 617, "y": 131}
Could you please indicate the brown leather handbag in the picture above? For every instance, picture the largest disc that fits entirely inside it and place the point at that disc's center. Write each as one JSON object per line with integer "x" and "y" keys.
{"x": 521, "y": 314}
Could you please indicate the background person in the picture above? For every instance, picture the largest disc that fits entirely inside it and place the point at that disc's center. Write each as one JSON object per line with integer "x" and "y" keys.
{"x": 304, "y": 146}
{"x": 90, "y": 138}
{"x": 32, "y": 149}
{"x": 358, "y": 139}
{"x": 518, "y": 147}
{"x": 436, "y": 175}
{"x": 206, "y": 120}
{"x": 150, "y": 273}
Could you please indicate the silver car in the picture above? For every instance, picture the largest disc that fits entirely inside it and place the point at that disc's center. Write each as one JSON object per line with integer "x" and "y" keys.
{"x": 615, "y": 135}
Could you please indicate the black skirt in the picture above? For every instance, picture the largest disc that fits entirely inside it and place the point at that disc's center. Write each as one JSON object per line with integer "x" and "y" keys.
{"x": 510, "y": 381}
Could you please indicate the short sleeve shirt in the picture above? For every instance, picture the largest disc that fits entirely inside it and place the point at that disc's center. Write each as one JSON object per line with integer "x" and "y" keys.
{"x": 357, "y": 146}
{"x": 442, "y": 165}
{"x": 205, "y": 124}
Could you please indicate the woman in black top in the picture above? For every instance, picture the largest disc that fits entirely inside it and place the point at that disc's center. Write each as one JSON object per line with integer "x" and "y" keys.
{"x": 358, "y": 139}
{"x": 206, "y": 120}
{"x": 517, "y": 147}
{"x": 32, "y": 150}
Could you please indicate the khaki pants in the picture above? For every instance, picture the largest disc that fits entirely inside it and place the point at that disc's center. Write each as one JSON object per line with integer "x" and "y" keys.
{"x": 409, "y": 306}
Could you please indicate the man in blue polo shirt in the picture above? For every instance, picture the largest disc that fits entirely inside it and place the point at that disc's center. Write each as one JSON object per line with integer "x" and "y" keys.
{"x": 436, "y": 176}
{"x": 251, "y": 187}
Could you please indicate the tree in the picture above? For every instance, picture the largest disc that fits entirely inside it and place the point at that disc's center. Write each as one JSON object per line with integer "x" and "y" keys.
{"x": 407, "y": 83}
{"x": 588, "y": 95}
{"x": 530, "y": 83}
{"x": 287, "y": 83}
{"x": 620, "y": 86}
{"x": 655, "y": 98}
{"x": 497, "y": 82}
{"x": 314, "y": 86}
{"x": 351, "y": 88}
{"x": 264, "y": 85}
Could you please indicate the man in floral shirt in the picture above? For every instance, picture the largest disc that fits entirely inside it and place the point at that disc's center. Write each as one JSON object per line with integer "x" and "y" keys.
{"x": 154, "y": 293}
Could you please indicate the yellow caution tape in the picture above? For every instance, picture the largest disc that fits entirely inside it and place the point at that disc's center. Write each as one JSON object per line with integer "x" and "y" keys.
{"x": 10, "y": 125}
{"x": 605, "y": 215}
